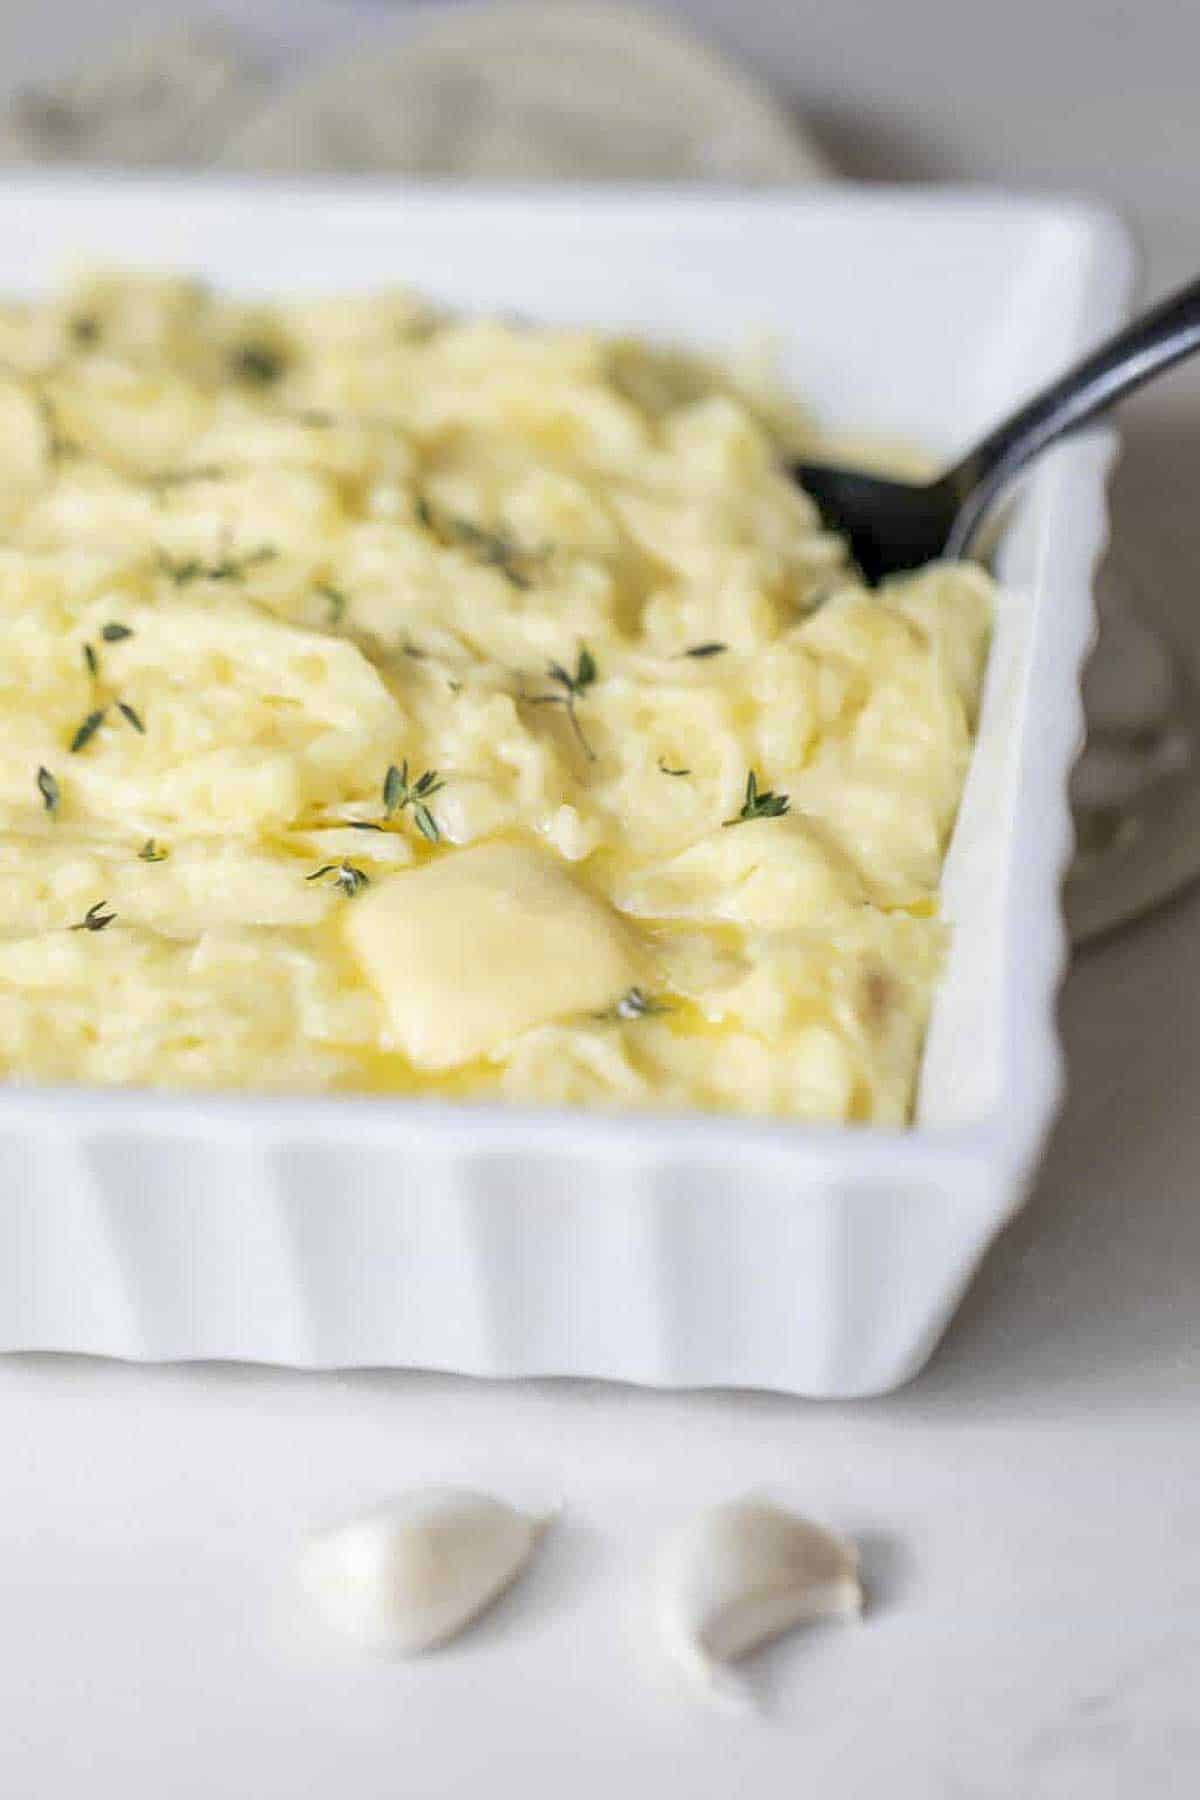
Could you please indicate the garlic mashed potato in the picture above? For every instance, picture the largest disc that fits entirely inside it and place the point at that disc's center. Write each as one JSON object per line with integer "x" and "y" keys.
{"x": 430, "y": 705}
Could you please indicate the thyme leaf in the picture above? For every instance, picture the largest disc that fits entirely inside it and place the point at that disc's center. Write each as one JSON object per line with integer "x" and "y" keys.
{"x": 400, "y": 792}
{"x": 150, "y": 852}
{"x": 87, "y": 730}
{"x": 90, "y": 661}
{"x": 348, "y": 878}
{"x": 701, "y": 652}
{"x": 426, "y": 823}
{"x": 491, "y": 548}
{"x": 165, "y": 479}
{"x": 337, "y": 602}
{"x": 635, "y": 1003}
{"x": 127, "y": 712}
{"x": 227, "y": 568}
{"x": 574, "y": 686}
{"x": 115, "y": 634}
{"x": 256, "y": 365}
{"x": 56, "y": 443}
{"x": 95, "y": 918}
{"x": 756, "y": 805}
{"x": 49, "y": 790}
{"x": 667, "y": 770}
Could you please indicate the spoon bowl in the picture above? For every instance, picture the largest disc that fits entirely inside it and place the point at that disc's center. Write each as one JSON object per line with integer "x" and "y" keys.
{"x": 890, "y": 525}
{"x": 896, "y": 525}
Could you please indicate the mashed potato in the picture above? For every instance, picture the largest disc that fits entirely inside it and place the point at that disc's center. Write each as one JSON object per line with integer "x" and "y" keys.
{"x": 430, "y": 705}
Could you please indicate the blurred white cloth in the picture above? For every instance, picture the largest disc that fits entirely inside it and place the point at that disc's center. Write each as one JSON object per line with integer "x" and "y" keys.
{"x": 524, "y": 91}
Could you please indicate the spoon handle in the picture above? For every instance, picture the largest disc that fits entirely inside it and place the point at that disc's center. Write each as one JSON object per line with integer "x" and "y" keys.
{"x": 1164, "y": 335}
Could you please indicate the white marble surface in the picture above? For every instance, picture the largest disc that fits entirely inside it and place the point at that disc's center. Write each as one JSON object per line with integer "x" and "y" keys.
{"x": 1027, "y": 1510}
{"x": 1028, "y": 1506}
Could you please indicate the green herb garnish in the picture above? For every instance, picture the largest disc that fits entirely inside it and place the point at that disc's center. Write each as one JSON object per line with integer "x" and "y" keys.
{"x": 257, "y": 365}
{"x": 95, "y": 918}
{"x": 765, "y": 805}
{"x": 336, "y": 602}
{"x": 700, "y": 652}
{"x": 667, "y": 770}
{"x": 115, "y": 634}
{"x": 49, "y": 790}
{"x": 57, "y": 444}
{"x": 87, "y": 730}
{"x": 491, "y": 548}
{"x": 636, "y": 1003}
{"x": 90, "y": 661}
{"x": 227, "y": 568}
{"x": 399, "y": 792}
{"x": 347, "y": 877}
{"x": 181, "y": 572}
{"x": 574, "y": 687}
{"x": 170, "y": 478}
{"x": 126, "y": 711}
{"x": 150, "y": 852}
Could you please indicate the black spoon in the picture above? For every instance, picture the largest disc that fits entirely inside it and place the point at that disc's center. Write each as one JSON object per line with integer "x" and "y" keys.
{"x": 896, "y": 525}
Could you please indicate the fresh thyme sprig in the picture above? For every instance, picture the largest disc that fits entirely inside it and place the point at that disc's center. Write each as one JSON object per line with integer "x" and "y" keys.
{"x": 151, "y": 852}
{"x": 574, "y": 687}
{"x": 48, "y": 788}
{"x": 756, "y": 805}
{"x": 87, "y": 730}
{"x": 348, "y": 878}
{"x": 95, "y": 918}
{"x": 165, "y": 479}
{"x": 226, "y": 568}
{"x": 491, "y": 548}
{"x": 336, "y": 602}
{"x": 256, "y": 365}
{"x": 635, "y": 1003}
{"x": 399, "y": 792}
{"x": 57, "y": 444}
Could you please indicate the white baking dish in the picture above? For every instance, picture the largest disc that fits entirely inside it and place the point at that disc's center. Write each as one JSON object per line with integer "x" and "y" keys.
{"x": 663, "y": 1250}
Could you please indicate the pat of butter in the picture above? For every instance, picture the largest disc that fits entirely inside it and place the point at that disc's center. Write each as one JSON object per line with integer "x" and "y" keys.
{"x": 480, "y": 944}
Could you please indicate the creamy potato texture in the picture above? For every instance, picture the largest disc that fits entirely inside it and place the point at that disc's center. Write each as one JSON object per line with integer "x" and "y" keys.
{"x": 403, "y": 703}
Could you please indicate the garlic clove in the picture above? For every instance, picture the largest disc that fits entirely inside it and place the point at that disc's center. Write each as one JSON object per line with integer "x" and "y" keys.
{"x": 741, "y": 1573}
{"x": 416, "y": 1571}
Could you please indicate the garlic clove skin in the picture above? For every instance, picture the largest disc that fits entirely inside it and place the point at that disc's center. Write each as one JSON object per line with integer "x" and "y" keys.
{"x": 742, "y": 1573}
{"x": 414, "y": 1572}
